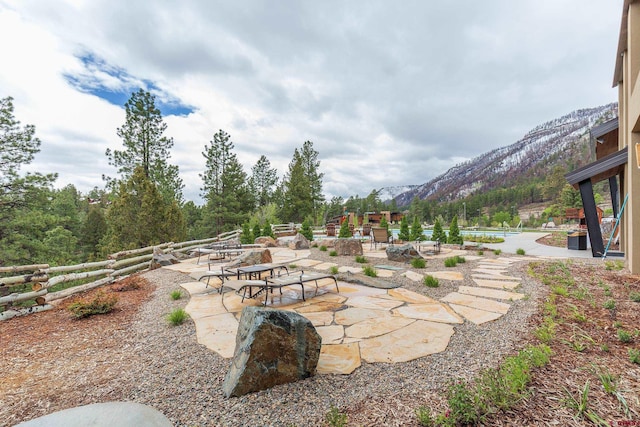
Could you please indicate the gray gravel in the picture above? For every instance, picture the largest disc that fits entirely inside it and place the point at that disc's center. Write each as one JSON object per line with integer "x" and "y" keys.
{"x": 183, "y": 379}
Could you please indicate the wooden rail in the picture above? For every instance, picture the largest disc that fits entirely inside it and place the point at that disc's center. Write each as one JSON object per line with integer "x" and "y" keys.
{"x": 41, "y": 277}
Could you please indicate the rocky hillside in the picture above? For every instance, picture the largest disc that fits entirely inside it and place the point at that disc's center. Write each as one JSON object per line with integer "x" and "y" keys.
{"x": 564, "y": 141}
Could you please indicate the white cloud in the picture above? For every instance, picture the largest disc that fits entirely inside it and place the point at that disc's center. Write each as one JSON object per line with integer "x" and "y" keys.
{"x": 390, "y": 94}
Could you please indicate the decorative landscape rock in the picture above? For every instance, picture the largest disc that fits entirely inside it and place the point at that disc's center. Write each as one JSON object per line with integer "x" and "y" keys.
{"x": 404, "y": 253}
{"x": 272, "y": 347}
{"x": 256, "y": 256}
{"x": 160, "y": 259}
{"x": 350, "y": 247}
{"x": 267, "y": 241}
{"x": 299, "y": 242}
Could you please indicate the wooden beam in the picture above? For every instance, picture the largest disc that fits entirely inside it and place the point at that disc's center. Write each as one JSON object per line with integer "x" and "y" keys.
{"x": 591, "y": 217}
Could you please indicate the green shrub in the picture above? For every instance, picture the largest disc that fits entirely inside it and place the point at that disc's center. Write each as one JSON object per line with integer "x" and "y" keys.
{"x": 497, "y": 251}
{"x": 360, "y": 259}
{"x": 333, "y": 253}
{"x": 100, "y": 304}
{"x": 634, "y": 296}
{"x": 520, "y": 251}
{"x": 322, "y": 248}
{"x": 460, "y": 259}
{"x": 176, "y": 294}
{"x": 430, "y": 281}
{"x": 634, "y": 356}
{"x": 306, "y": 230}
{"x": 177, "y": 316}
{"x": 335, "y": 418}
{"x": 624, "y": 336}
{"x": 610, "y": 304}
{"x": 369, "y": 271}
{"x": 293, "y": 266}
{"x": 454, "y": 232}
{"x": 547, "y": 331}
{"x": 418, "y": 263}
{"x": 614, "y": 265}
{"x": 333, "y": 269}
{"x": 480, "y": 252}
{"x": 425, "y": 418}
{"x": 450, "y": 262}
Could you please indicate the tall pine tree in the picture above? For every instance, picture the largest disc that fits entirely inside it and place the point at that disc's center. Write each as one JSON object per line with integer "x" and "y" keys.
{"x": 145, "y": 146}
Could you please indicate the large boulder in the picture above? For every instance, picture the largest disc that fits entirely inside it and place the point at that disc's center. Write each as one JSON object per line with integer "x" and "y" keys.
{"x": 160, "y": 259}
{"x": 404, "y": 253}
{"x": 252, "y": 257}
{"x": 272, "y": 347}
{"x": 299, "y": 242}
{"x": 351, "y": 247}
{"x": 266, "y": 241}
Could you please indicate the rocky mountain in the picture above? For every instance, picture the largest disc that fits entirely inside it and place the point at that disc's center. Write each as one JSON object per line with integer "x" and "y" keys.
{"x": 564, "y": 141}
{"x": 386, "y": 194}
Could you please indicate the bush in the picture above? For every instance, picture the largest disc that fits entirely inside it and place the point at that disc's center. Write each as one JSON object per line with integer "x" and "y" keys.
{"x": 306, "y": 231}
{"x": 610, "y": 304}
{"x": 344, "y": 229}
{"x": 100, "y": 304}
{"x": 403, "y": 234}
{"x": 361, "y": 259}
{"x": 460, "y": 259}
{"x": 322, "y": 248}
{"x": 624, "y": 336}
{"x": 438, "y": 233}
{"x": 176, "y": 294}
{"x": 418, "y": 263}
{"x": 430, "y": 281}
{"x": 634, "y": 356}
{"x": 177, "y": 316}
{"x": 520, "y": 251}
{"x": 333, "y": 269}
{"x": 450, "y": 262}
{"x": 634, "y": 296}
{"x": 497, "y": 251}
{"x": 454, "y": 232}
{"x": 333, "y": 253}
{"x": 369, "y": 271}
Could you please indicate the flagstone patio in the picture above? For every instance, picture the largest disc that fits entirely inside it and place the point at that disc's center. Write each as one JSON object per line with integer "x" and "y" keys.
{"x": 360, "y": 323}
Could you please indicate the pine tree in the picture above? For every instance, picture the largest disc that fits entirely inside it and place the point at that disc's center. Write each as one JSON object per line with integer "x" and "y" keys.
{"x": 416, "y": 230}
{"x": 267, "y": 230}
{"x": 306, "y": 231}
{"x": 454, "y": 232}
{"x": 93, "y": 230}
{"x": 344, "y": 229}
{"x": 262, "y": 182}
{"x": 404, "y": 229}
{"x": 228, "y": 201}
{"x": 145, "y": 146}
{"x": 256, "y": 231}
{"x": 384, "y": 224}
{"x": 247, "y": 236}
{"x": 297, "y": 203}
{"x": 438, "y": 234}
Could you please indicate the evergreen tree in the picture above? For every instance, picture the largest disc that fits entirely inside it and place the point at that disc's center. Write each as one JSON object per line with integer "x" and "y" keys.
{"x": 385, "y": 224}
{"x": 145, "y": 146}
{"x": 404, "y": 229}
{"x": 139, "y": 216}
{"x": 306, "y": 231}
{"x": 228, "y": 201}
{"x": 344, "y": 229}
{"x": 416, "y": 230}
{"x": 247, "y": 236}
{"x": 262, "y": 182}
{"x": 438, "y": 233}
{"x": 297, "y": 203}
{"x": 311, "y": 168}
{"x": 267, "y": 230}
{"x": 454, "y": 232}
{"x": 93, "y": 230}
{"x": 196, "y": 228}
{"x": 256, "y": 231}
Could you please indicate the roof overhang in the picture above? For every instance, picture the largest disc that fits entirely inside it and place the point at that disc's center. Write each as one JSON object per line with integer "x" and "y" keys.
{"x": 606, "y": 167}
{"x": 597, "y": 132}
{"x": 622, "y": 43}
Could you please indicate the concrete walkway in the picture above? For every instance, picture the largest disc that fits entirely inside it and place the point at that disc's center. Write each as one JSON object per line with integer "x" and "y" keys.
{"x": 527, "y": 241}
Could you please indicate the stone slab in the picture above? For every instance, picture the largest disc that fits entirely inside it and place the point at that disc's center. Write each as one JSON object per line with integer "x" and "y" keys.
{"x": 354, "y": 315}
{"x": 346, "y": 269}
{"x": 322, "y": 318}
{"x": 307, "y": 262}
{"x": 373, "y": 303}
{"x": 497, "y": 284}
{"x": 412, "y": 275}
{"x": 218, "y": 333}
{"x": 477, "y": 302}
{"x": 434, "y": 312}
{"x": 415, "y": 340}
{"x": 325, "y": 265}
{"x": 331, "y": 334}
{"x": 106, "y": 414}
{"x": 351, "y": 290}
{"x": 200, "y": 306}
{"x": 384, "y": 273}
{"x": 339, "y": 358}
{"x": 375, "y": 327}
{"x": 490, "y": 293}
{"x": 474, "y": 315}
{"x": 494, "y": 277}
{"x": 447, "y": 275}
{"x": 406, "y": 295}
{"x": 195, "y": 288}
{"x": 501, "y": 272}
{"x": 388, "y": 267}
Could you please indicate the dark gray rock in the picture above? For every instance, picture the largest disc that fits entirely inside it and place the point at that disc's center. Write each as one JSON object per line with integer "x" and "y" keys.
{"x": 404, "y": 253}
{"x": 272, "y": 347}
{"x": 299, "y": 242}
{"x": 252, "y": 257}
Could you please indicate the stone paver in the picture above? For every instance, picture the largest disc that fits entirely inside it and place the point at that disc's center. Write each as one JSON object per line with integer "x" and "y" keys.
{"x": 490, "y": 271}
{"x": 497, "y": 284}
{"x": 409, "y": 296}
{"x": 490, "y": 293}
{"x": 494, "y": 277}
{"x": 325, "y": 266}
{"x": 373, "y": 303}
{"x": 354, "y": 315}
{"x": 331, "y": 334}
{"x": 474, "y": 315}
{"x": 447, "y": 275}
{"x": 375, "y": 327}
{"x": 477, "y": 302}
{"x": 435, "y": 312}
{"x": 307, "y": 262}
{"x": 218, "y": 333}
{"x": 339, "y": 359}
{"x": 416, "y": 277}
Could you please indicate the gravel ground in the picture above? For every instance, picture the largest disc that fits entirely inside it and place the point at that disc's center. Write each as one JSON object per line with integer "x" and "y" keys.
{"x": 183, "y": 379}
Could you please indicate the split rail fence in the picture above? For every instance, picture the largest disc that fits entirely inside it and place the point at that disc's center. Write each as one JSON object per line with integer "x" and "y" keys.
{"x": 35, "y": 281}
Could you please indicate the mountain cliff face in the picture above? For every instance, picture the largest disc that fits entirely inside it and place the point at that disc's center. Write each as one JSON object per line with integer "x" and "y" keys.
{"x": 564, "y": 141}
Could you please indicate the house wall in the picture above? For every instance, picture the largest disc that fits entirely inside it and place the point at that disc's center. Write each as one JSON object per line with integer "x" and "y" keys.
{"x": 629, "y": 112}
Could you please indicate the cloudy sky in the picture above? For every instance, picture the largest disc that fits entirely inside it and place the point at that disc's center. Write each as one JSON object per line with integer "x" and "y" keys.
{"x": 390, "y": 93}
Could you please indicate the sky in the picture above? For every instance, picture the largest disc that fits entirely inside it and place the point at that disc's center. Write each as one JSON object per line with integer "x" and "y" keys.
{"x": 389, "y": 93}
